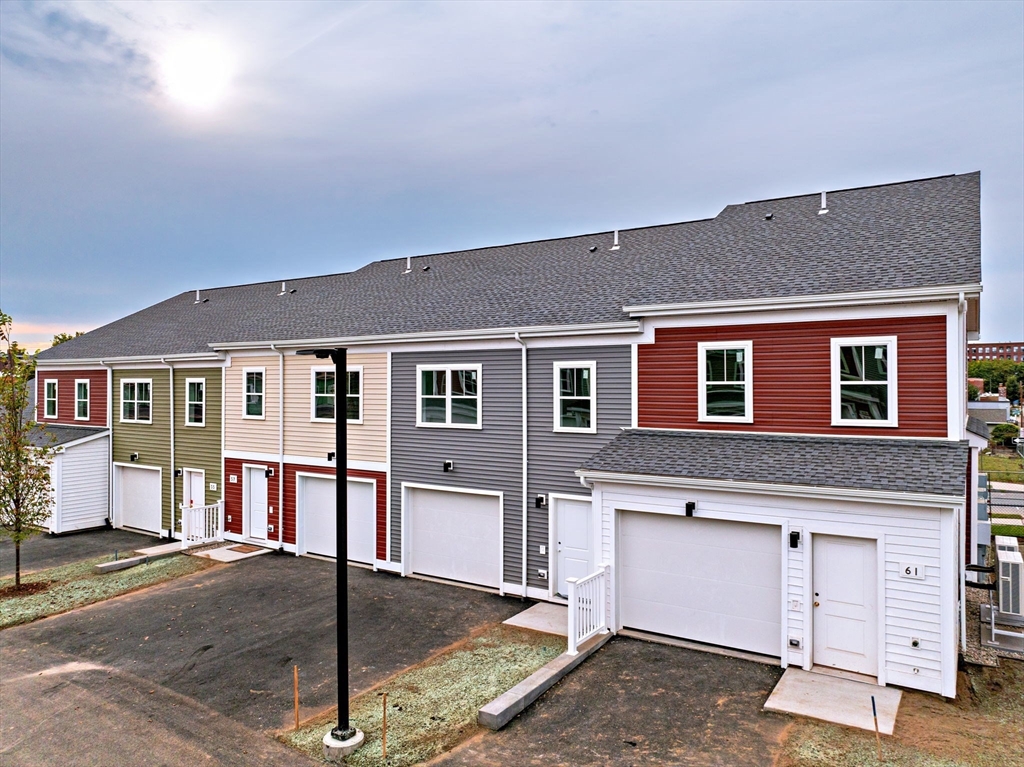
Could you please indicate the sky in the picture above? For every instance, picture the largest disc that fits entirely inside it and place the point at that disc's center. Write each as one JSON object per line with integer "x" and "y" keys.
{"x": 149, "y": 149}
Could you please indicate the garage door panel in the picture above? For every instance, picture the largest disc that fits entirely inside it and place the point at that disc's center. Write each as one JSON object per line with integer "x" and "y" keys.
{"x": 712, "y": 581}
{"x": 139, "y": 498}
{"x": 319, "y": 515}
{"x": 455, "y": 535}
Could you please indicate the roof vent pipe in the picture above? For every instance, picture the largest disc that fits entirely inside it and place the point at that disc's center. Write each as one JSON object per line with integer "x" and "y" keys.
{"x": 284, "y": 290}
{"x": 197, "y": 298}
{"x": 408, "y": 264}
{"x": 824, "y": 204}
{"x": 615, "y": 240}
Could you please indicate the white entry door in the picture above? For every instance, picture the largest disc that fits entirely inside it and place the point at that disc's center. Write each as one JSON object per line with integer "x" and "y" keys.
{"x": 573, "y": 541}
{"x": 319, "y": 518}
{"x": 256, "y": 501}
{"x": 193, "y": 488}
{"x": 845, "y": 604}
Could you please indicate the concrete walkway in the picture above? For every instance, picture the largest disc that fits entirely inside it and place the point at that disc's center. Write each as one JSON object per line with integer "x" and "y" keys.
{"x": 832, "y": 699}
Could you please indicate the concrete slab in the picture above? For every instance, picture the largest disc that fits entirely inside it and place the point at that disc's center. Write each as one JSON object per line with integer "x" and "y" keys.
{"x": 544, "y": 617}
{"x": 232, "y": 553}
{"x": 832, "y": 699}
{"x": 163, "y": 549}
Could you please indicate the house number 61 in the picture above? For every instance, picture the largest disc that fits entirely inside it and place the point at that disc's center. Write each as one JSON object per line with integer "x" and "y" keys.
{"x": 913, "y": 570}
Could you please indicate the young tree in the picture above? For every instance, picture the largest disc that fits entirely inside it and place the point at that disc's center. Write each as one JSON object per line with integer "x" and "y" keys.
{"x": 25, "y": 494}
{"x": 60, "y": 338}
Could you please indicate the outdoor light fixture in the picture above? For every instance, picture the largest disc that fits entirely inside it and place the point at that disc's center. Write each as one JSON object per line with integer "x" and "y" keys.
{"x": 343, "y": 739}
{"x": 177, "y": 472}
{"x": 133, "y": 457}
{"x": 794, "y": 539}
{"x": 330, "y": 456}
{"x": 541, "y": 502}
{"x": 449, "y": 466}
{"x": 691, "y": 506}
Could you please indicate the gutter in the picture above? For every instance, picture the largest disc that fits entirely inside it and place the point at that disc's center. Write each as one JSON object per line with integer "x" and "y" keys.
{"x": 525, "y": 459}
{"x": 170, "y": 368}
{"x": 280, "y": 447}
{"x": 198, "y": 357}
{"x": 110, "y": 443}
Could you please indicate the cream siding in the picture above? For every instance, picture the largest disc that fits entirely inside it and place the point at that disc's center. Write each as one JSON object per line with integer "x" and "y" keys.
{"x": 252, "y": 434}
{"x": 304, "y": 437}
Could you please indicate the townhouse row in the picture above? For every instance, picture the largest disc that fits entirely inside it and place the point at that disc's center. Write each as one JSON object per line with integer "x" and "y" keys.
{"x": 756, "y": 424}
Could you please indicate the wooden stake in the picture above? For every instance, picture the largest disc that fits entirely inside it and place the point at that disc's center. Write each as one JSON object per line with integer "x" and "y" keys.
{"x": 878, "y": 738}
{"x": 296, "y": 674}
{"x": 384, "y": 732}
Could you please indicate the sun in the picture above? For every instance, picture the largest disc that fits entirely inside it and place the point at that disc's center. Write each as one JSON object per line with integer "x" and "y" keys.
{"x": 197, "y": 72}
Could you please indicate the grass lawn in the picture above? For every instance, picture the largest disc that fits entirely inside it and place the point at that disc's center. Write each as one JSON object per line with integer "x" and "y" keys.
{"x": 432, "y": 707}
{"x": 76, "y": 585}
{"x": 983, "y": 727}
{"x": 1000, "y": 468}
{"x": 1011, "y": 530}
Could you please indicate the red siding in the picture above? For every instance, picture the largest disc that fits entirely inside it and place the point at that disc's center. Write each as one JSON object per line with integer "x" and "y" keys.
{"x": 290, "y": 502}
{"x": 66, "y": 396}
{"x": 233, "y": 503}
{"x": 792, "y": 376}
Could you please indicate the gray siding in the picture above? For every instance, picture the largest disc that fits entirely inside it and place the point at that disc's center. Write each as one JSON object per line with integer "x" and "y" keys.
{"x": 555, "y": 456}
{"x": 490, "y": 458}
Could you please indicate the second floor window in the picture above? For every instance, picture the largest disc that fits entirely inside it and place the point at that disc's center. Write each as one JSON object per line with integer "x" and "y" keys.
{"x": 82, "y": 400}
{"x": 253, "y": 394}
{"x": 864, "y": 381}
{"x": 50, "y": 399}
{"x": 449, "y": 396}
{"x": 136, "y": 401}
{"x": 575, "y": 395}
{"x": 354, "y": 395}
{"x": 195, "y": 391}
{"x": 323, "y": 395}
{"x": 726, "y": 381}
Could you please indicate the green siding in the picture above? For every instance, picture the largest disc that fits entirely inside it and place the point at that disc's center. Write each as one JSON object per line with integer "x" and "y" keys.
{"x": 199, "y": 447}
{"x": 151, "y": 441}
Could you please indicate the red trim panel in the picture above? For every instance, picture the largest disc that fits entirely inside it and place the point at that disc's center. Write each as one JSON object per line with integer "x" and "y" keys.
{"x": 792, "y": 376}
{"x": 66, "y": 396}
{"x": 234, "y": 506}
{"x": 290, "y": 502}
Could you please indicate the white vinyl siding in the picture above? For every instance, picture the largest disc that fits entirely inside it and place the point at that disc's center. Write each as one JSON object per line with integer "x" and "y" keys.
{"x": 82, "y": 399}
{"x": 84, "y": 485}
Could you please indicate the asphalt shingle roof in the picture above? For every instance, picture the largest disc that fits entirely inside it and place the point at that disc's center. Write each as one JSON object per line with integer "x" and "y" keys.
{"x": 892, "y": 465}
{"x": 908, "y": 235}
{"x": 979, "y": 427}
{"x": 55, "y": 435}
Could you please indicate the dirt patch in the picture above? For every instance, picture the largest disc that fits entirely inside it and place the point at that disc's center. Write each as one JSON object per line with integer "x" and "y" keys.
{"x": 983, "y": 727}
{"x": 76, "y": 585}
{"x": 432, "y": 706}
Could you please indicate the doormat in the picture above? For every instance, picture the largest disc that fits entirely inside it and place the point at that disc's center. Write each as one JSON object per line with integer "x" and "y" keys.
{"x": 245, "y": 548}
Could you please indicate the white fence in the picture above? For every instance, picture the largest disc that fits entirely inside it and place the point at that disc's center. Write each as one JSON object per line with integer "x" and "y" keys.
{"x": 202, "y": 524}
{"x": 588, "y": 607}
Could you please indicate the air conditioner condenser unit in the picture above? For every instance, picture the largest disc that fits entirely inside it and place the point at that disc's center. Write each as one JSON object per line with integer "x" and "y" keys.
{"x": 1010, "y": 567}
{"x": 1006, "y": 543}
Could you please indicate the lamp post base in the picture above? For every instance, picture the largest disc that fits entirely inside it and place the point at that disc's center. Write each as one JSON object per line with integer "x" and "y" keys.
{"x": 335, "y": 749}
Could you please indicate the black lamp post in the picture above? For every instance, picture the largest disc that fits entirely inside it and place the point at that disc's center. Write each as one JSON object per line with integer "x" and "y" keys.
{"x": 344, "y": 738}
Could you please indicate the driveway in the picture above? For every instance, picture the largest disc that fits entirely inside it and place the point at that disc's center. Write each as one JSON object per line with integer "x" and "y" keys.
{"x": 224, "y": 641}
{"x": 639, "y": 703}
{"x": 42, "y": 551}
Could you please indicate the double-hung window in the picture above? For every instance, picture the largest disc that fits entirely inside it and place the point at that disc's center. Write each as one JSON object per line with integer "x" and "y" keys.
{"x": 82, "y": 399}
{"x": 49, "y": 399}
{"x": 252, "y": 405}
{"x": 137, "y": 400}
{"x": 195, "y": 403}
{"x": 725, "y": 373}
{"x": 354, "y": 394}
{"x": 448, "y": 396}
{"x": 324, "y": 394}
{"x": 576, "y": 397}
{"x": 864, "y": 381}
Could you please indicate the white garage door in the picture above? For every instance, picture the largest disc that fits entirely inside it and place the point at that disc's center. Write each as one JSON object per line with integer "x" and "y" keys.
{"x": 318, "y": 510}
{"x": 455, "y": 536}
{"x": 139, "y": 498}
{"x": 702, "y": 579}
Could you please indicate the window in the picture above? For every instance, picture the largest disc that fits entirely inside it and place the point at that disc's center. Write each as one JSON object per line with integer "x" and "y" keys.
{"x": 576, "y": 397}
{"x": 725, "y": 372}
{"x": 252, "y": 405}
{"x": 449, "y": 396}
{"x": 354, "y": 395}
{"x": 82, "y": 400}
{"x": 195, "y": 401}
{"x": 136, "y": 401}
{"x": 50, "y": 399}
{"x": 322, "y": 394}
{"x": 864, "y": 381}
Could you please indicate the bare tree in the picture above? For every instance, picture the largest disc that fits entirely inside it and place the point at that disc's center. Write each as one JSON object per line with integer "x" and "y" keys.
{"x": 26, "y": 497}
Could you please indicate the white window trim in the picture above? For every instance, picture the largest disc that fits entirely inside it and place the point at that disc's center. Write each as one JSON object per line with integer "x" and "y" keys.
{"x": 189, "y": 402}
{"x": 88, "y": 392}
{"x": 120, "y": 401}
{"x": 557, "y": 426}
{"x": 56, "y": 401}
{"x": 362, "y": 382}
{"x": 703, "y": 347}
{"x": 263, "y": 396}
{"x": 893, "y": 390}
{"x": 448, "y": 397}
{"x": 312, "y": 393}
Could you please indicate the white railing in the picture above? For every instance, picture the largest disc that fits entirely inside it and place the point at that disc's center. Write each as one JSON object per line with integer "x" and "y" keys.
{"x": 588, "y": 608}
{"x": 202, "y": 524}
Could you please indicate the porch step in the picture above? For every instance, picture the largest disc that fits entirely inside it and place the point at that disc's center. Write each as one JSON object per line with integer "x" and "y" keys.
{"x": 163, "y": 550}
{"x": 507, "y": 706}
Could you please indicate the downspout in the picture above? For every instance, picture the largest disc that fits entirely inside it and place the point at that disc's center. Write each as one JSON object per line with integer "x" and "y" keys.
{"x": 961, "y": 344}
{"x": 170, "y": 368}
{"x": 110, "y": 443}
{"x": 280, "y": 448}
{"x": 525, "y": 459}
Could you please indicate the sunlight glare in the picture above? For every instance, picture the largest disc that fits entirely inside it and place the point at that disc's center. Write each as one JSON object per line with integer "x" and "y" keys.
{"x": 197, "y": 72}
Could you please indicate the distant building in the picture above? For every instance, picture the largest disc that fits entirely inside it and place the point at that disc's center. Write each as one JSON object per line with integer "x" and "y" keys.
{"x": 1013, "y": 350}
{"x": 977, "y": 383}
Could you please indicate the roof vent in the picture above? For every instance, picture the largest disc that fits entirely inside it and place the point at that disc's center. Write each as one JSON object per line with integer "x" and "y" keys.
{"x": 197, "y": 298}
{"x": 769, "y": 216}
{"x": 408, "y": 264}
{"x": 824, "y": 205}
{"x": 615, "y": 241}
{"x": 285, "y": 291}
{"x": 426, "y": 268}
{"x": 200, "y": 300}
{"x": 592, "y": 248}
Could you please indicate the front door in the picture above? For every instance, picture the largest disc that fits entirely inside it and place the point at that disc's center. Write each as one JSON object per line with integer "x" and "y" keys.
{"x": 256, "y": 490}
{"x": 845, "y": 604}
{"x": 572, "y": 541}
{"x": 194, "y": 487}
